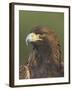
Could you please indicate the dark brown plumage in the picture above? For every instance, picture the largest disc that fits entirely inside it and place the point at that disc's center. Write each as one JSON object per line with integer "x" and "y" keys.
{"x": 45, "y": 60}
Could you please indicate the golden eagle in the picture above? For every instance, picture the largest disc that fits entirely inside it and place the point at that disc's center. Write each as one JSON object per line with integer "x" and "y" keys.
{"x": 45, "y": 59}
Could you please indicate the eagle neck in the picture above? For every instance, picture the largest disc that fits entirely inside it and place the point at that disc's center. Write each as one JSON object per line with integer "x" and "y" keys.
{"x": 43, "y": 54}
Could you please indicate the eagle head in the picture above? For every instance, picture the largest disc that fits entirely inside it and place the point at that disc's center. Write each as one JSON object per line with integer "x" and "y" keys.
{"x": 38, "y": 36}
{"x": 42, "y": 36}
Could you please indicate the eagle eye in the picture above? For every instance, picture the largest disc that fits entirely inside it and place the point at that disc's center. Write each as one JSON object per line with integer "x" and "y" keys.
{"x": 42, "y": 35}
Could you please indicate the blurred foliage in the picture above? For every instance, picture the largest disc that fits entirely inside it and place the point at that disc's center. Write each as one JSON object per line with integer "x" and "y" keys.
{"x": 30, "y": 19}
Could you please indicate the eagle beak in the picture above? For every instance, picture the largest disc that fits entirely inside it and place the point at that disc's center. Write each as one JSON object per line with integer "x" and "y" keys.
{"x": 32, "y": 37}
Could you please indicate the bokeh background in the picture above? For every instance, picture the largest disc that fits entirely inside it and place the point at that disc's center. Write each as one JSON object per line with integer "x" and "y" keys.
{"x": 30, "y": 19}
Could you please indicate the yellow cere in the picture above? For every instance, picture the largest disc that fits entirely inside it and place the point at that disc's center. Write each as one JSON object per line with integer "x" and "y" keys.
{"x": 35, "y": 37}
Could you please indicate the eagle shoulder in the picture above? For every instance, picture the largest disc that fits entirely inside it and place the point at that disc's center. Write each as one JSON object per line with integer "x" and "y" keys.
{"x": 24, "y": 72}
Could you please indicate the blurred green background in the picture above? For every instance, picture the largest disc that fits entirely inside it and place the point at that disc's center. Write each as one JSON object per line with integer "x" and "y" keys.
{"x": 29, "y": 19}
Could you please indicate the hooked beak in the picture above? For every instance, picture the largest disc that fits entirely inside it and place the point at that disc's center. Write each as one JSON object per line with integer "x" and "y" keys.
{"x": 32, "y": 37}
